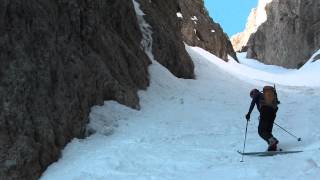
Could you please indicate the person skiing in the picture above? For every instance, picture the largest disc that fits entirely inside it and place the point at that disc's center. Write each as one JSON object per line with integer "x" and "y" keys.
{"x": 267, "y": 104}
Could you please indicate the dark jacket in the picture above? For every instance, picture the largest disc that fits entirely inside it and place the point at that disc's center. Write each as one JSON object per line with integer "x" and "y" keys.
{"x": 255, "y": 101}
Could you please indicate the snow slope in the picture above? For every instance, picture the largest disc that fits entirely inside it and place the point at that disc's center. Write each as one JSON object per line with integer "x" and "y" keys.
{"x": 191, "y": 129}
{"x": 250, "y": 69}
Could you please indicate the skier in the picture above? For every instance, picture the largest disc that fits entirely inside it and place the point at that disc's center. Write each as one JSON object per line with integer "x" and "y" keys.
{"x": 267, "y": 104}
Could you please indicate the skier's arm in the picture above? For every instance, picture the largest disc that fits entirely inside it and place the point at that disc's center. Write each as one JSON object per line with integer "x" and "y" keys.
{"x": 253, "y": 103}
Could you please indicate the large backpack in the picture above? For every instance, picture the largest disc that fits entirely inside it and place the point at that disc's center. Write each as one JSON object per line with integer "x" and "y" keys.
{"x": 269, "y": 97}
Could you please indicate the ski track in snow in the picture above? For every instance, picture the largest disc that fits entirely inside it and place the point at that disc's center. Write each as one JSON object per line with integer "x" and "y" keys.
{"x": 191, "y": 129}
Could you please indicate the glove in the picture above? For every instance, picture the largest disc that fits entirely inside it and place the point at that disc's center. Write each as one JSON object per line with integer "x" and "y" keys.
{"x": 248, "y": 117}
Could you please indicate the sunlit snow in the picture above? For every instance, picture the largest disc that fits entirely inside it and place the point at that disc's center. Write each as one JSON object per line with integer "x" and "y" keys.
{"x": 179, "y": 15}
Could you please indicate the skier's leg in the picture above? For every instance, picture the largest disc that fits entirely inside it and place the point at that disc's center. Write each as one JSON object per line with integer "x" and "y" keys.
{"x": 262, "y": 132}
{"x": 272, "y": 141}
{"x": 272, "y": 119}
{"x": 269, "y": 122}
{"x": 263, "y": 125}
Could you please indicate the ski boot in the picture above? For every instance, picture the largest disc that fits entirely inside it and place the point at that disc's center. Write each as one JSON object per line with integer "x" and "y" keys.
{"x": 272, "y": 144}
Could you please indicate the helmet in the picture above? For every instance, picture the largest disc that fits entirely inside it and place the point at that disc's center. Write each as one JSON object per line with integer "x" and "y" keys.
{"x": 253, "y": 92}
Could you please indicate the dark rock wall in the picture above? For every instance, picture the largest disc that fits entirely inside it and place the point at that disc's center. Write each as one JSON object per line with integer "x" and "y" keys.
{"x": 59, "y": 58}
{"x": 198, "y": 29}
{"x": 290, "y": 35}
{"x": 161, "y": 15}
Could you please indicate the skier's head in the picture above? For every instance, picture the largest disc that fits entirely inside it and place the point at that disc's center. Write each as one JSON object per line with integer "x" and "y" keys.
{"x": 254, "y": 92}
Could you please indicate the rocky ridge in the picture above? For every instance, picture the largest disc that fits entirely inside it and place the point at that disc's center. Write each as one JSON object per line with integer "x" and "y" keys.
{"x": 256, "y": 17}
{"x": 198, "y": 29}
{"x": 290, "y": 35}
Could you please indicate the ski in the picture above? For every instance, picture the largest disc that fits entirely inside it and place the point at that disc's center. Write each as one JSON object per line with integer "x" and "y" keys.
{"x": 268, "y": 153}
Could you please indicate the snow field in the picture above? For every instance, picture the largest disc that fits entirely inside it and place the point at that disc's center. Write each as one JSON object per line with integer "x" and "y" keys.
{"x": 191, "y": 129}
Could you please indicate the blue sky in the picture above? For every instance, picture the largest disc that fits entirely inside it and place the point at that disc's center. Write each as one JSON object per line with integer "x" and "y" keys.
{"x": 230, "y": 14}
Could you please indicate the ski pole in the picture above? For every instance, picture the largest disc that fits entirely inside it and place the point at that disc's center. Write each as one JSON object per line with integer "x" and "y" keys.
{"x": 299, "y": 139}
{"x": 245, "y": 138}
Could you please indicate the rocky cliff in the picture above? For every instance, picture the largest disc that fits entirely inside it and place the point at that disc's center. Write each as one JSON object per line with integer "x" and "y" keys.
{"x": 256, "y": 17}
{"x": 198, "y": 29}
{"x": 168, "y": 46}
{"x": 290, "y": 35}
{"x": 59, "y": 58}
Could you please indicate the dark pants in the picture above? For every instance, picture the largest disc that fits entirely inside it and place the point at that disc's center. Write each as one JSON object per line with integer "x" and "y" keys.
{"x": 267, "y": 117}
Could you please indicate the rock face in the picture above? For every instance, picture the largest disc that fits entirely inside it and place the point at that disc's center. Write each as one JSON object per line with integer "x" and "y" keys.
{"x": 198, "y": 29}
{"x": 59, "y": 58}
{"x": 168, "y": 47}
{"x": 256, "y": 18}
{"x": 290, "y": 35}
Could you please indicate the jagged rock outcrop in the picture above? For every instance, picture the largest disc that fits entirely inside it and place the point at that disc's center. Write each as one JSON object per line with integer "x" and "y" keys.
{"x": 290, "y": 35}
{"x": 256, "y": 18}
{"x": 59, "y": 58}
{"x": 198, "y": 29}
{"x": 161, "y": 15}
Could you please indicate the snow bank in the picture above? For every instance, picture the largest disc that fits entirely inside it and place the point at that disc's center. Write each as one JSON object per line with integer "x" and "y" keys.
{"x": 313, "y": 65}
{"x": 251, "y": 70}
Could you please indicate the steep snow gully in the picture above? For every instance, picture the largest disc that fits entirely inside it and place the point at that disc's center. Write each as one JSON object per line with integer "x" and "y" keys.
{"x": 192, "y": 129}
{"x": 188, "y": 129}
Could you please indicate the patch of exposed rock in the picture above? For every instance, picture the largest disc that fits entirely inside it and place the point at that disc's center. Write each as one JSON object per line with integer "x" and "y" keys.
{"x": 198, "y": 29}
{"x": 290, "y": 35}
{"x": 168, "y": 47}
